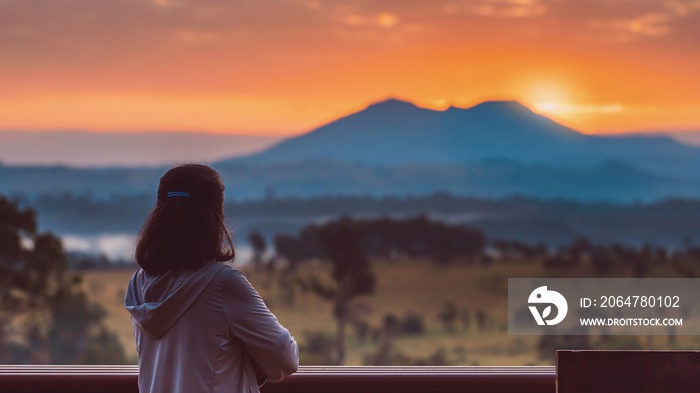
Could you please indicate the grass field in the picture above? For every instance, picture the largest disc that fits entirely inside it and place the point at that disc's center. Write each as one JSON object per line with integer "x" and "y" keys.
{"x": 418, "y": 287}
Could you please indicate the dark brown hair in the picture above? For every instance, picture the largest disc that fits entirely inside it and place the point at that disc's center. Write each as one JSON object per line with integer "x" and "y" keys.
{"x": 186, "y": 229}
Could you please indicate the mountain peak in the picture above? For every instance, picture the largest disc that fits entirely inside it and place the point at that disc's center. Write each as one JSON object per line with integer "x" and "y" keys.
{"x": 392, "y": 104}
{"x": 501, "y": 106}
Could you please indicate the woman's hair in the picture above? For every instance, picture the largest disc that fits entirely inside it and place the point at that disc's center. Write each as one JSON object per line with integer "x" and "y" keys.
{"x": 186, "y": 228}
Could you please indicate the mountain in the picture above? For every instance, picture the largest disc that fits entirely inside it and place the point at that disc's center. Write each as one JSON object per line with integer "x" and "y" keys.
{"x": 395, "y": 132}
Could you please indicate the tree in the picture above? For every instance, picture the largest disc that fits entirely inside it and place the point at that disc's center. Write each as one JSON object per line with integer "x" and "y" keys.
{"x": 351, "y": 272}
{"x": 580, "y": 248}
{"x": 448, "y": 315}
{"x": 289, "y": 248}
{"x": 257, "y": 241}
{"x": 45, "y": 316}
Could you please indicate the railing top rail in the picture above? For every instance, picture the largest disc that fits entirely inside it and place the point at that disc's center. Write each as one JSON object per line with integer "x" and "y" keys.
{"x": 309, "y": 379}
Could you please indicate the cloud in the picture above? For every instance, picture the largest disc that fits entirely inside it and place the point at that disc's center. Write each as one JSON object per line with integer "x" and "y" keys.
{"x": 387, "y": 19}
{"x": 650, "y": 25}
{"x": 682, "y": 7}
{"x": 497, "y": 8}
{"x": 383, "y": 19}
{"x": 162, "y": 3}
{"x": 625, "y": 21}
{"x": 82, "y": 31}
{"x": 314, "y": 5}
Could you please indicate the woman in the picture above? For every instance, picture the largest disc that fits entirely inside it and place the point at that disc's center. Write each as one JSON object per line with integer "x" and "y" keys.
{"x": 199, "y": 324}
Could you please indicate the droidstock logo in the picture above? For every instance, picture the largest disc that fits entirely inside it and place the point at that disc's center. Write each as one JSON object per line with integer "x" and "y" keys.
{"x": 542, "y": 296}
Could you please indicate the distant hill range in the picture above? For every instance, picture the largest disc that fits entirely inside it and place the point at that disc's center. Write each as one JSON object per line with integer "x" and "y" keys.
{"x": 394, "y": 132}
{"x": 493, "y": 149}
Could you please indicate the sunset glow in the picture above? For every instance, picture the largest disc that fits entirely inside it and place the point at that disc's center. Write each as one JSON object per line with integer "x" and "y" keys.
{"x": 287, "y": 66}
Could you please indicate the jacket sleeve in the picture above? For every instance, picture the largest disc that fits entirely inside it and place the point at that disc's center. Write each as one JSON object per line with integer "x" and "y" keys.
{"x": 270, "y": 345}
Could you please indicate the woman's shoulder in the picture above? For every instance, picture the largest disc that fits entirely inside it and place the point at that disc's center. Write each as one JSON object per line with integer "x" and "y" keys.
{"x": 234, "y": 278}
{"x": 230, "y": 270}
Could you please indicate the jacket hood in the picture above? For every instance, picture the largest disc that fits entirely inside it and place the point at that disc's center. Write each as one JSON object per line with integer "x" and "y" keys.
{"x": 157, "y": 302}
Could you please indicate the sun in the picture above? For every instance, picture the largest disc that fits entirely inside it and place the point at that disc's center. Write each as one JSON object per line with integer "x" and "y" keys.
{"x": 549, "y": 97}
{"x": 549, "y": 107}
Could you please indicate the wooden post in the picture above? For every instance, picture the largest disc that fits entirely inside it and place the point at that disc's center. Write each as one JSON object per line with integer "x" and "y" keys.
{"x": 628, "y": 371}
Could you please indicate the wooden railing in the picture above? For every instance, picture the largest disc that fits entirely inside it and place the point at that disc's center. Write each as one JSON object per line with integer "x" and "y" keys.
{"x": 112, "y": 379}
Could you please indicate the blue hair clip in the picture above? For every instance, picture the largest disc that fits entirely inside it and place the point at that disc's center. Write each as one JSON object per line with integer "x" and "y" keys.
{"x": 178, "y": 194}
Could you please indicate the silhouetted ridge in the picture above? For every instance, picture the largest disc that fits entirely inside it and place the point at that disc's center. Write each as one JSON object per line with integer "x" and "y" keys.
{"x": 495, "y": 108}
{"x": 501, "y": 106}
{"x": 391, "y": 106}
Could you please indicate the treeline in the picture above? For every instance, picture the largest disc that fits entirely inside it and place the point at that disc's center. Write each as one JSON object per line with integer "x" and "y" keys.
{"x": 420, "y": 237}
{"x": 553, "y": 222}
{"x": 387, "y": 238}
{"x": 606, "y": 260}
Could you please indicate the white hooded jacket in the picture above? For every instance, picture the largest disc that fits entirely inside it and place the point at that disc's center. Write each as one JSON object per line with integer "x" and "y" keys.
{"x": 204, "y": 331}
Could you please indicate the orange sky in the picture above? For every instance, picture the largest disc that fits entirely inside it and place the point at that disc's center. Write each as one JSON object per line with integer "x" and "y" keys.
{"x": 285, "y": 67}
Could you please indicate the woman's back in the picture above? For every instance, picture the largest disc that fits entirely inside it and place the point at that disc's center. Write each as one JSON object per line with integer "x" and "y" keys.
{"x": 205, "y": 330}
